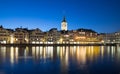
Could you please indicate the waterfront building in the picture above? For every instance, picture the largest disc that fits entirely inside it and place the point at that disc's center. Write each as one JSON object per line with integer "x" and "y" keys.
{"x": 64, "y": 25}
{"x": 36, "y": 36}
{"x": 72, "y": 36}
{"x": 108, "y": 37}
{"x": 64, "y": 36}
{"x": 117, "y": 37}
{"x": 53, "y": 35}
{"x": 5, "y": 35}
{"x": 101, "y": 37}
{"x": 21, "y": 35}
{"x": 85, "y": 35}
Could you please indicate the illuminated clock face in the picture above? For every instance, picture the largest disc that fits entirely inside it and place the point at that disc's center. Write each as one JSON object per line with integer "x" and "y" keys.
{"x": 64, "y": 25}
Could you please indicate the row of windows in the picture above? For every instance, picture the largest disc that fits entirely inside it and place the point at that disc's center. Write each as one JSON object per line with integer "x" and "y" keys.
{"x": 3, "y": 38}
{"x": 36, "y": 39}
{"x": 36, "y": 36}
{"x": 19, "y": 36}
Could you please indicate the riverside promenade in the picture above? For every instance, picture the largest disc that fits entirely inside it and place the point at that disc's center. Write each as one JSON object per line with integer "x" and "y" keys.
{"x": 65, "y": 44}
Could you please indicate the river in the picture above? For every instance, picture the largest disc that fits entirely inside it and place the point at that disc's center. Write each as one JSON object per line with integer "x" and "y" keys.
{"x": 60, "y": 60}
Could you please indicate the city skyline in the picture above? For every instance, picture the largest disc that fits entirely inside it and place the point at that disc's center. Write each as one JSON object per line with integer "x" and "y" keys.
{"x": 101, "y": 15}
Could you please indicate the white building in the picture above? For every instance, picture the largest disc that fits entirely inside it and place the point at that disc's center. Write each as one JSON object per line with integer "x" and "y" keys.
{"x": 117, "y": 37}
{"x": 21, "y": 35}
{"x": 36, "y": 36}
{"x": 4, "y": 35}
{"x": 53, "y": 35}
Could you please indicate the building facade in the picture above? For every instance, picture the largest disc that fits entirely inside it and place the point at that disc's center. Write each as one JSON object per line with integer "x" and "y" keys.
{"x": 36, "y": 36}
{"x": 117, "y": 37}
{"x": 21, "y": 35}
{"x": 85, "y": 35}
{"x": 53, "y": 35}
{"x": 109, "y": 37}
{"x": 5, "y": 35}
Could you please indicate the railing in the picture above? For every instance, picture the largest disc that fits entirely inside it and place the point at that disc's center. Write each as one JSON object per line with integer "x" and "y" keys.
{"x": 62, "y": 44}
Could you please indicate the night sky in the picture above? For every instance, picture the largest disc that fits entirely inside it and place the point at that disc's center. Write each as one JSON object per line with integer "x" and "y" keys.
{"x": 99, "y": 15}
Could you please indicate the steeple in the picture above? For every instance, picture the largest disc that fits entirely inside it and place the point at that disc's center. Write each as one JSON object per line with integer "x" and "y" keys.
{"x": 64, "y": 20}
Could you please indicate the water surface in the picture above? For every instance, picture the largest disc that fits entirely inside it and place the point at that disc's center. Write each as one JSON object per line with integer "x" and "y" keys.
{"x": 60, "y": 60}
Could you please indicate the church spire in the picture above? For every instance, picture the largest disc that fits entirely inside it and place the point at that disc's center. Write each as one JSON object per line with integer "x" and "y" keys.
{"x": 64, "y": 19}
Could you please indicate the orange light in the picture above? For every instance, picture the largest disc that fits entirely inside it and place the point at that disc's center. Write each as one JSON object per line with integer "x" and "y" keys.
{"x": 80, "y": 37}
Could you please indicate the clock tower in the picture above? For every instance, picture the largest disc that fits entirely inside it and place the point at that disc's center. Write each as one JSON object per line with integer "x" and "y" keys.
{"x": 64, "y": 24}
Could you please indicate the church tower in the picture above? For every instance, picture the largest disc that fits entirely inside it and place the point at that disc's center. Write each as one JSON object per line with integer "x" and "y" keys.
{"x": 64, "y": 24}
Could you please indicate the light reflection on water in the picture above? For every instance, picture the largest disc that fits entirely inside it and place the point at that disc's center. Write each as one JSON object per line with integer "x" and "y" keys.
{"x": 66, "y": 58}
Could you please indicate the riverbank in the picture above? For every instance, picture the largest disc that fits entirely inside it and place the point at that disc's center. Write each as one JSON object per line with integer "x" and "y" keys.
{"x": 92, "y": 44}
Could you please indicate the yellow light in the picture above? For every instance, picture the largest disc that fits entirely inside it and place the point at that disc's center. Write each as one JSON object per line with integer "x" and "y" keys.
{"x": 12, "y": 39}
{"x": 16, "y": 39}
{"x": 33, "y": 42}
{"x": 102, "y": 41}
{"x": 4, "y": 42}
{"x": 61, "y": 40}
{"x": 12, "y": 55}
{"x": 80, "y": 37}
{"x": 26, "y": 39}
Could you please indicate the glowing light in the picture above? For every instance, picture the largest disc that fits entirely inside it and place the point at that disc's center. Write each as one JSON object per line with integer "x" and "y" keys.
{"x": 41, "y": 50}
{"x": 3, "y": 52}
{"x": 37, "y": 42}
{"x": 33, "y": 42}
{"x": 16, "y": 54}
{"x": 61, "y": 40}
{"x": 81, "y": 55}
{"x": 12, "y": 55}
{"x": 26, "y": 39}
{"x": 58, "y": 42}
{"x": 102, "y": 41}
{"x": 67, "y": 57}
{"x": 4, "y": 42}
{"x": 58, "y": 50}
{"x": 102, "y": 50}
{"x": 16, "y": 39}
{"x": 37, "y": 52}
{"x": 80, "y": 37}
{"x": 50, "y": 52}
{"x": 12, "y": 39}
{"x": 33, "y": 51}
{"x": 41, "y": 42}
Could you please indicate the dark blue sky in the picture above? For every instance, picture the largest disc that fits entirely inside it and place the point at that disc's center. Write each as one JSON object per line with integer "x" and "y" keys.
{"x": 99, "y": 15}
